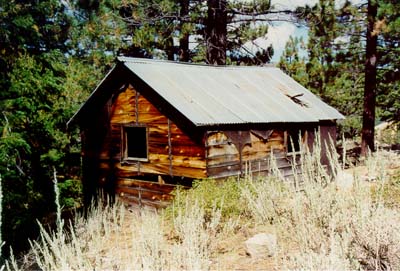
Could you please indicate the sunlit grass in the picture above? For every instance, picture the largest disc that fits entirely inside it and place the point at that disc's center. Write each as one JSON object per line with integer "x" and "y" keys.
{"x": 319, "y": 224}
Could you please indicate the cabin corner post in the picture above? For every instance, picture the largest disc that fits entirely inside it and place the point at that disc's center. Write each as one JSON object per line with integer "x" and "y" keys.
{"x": 328, "y": 133}
{"x": 89, "y": 170}
{"x": 240, "y": 149}
{"x": 205, "y": 143}
{"x": 170, "y": 148}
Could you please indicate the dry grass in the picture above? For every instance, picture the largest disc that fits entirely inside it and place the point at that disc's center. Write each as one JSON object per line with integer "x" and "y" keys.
{"x": 320, "y": 226}
{"x": 327, "y": 227}
{"x": 116, "y": 238}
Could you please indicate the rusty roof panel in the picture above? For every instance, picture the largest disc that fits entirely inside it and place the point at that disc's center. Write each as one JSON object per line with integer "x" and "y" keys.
{"x": 210, "y": 95}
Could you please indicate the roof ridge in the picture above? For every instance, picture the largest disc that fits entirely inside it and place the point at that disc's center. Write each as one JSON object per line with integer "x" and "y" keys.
{"x": 163, "y": 61}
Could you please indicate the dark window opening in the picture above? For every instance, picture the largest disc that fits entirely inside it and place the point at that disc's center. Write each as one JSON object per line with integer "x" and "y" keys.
{"x": 294, "y": 140}
{"x": 135, "y": 145}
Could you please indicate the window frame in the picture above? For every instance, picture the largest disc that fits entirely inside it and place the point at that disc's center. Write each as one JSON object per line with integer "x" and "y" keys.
{"x": 302, "y": 143}
{"x": 125, "y": 141}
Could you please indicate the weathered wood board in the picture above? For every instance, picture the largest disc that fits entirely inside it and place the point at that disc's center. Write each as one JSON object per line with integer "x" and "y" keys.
{"x": 244, "y": 153}
{"x": 172, "y": 153}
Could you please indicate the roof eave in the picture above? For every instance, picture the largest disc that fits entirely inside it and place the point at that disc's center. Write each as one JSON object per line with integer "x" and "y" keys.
{"x": 78, "y": 114}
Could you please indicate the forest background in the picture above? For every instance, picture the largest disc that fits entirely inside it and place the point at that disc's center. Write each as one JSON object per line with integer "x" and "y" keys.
{"x": 53, "y": 53}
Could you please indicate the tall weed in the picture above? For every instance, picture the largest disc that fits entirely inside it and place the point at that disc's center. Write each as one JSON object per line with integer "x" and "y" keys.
{"x": 113, "y": 238}
{"x": 319, "y": 225}
{"x": 325, "y": 226}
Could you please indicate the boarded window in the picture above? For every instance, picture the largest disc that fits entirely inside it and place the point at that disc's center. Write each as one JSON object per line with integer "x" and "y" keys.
{"x": 294, "y": 140}
{"x": 135, "y": 143}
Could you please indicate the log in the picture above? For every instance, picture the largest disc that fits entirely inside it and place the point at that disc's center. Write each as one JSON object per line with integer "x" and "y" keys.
{"x": 132, "y": 200}
{"x": 162, "y": 188}
{"x": 145, "y": 194}
{"x": 222, "y": 150}
{"x": 129, "y": 170}
{"x": 216, "y": 160}
{"x": 222, "y": 171}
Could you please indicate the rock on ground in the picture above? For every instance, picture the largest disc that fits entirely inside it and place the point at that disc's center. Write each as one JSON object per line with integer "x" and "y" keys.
{"x": 344, "y": 180}
{"x": 262, "y": 245}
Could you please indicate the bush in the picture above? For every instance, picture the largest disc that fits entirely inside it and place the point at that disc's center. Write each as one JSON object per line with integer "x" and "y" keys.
{"x": 350, "y": 127}
{"x": 71, "y": 193}
{"x": 210, "y": 195}
{"x": 330, "y": 228}
{"x": 111, "y": 238}
{"x": 319, "y": 225}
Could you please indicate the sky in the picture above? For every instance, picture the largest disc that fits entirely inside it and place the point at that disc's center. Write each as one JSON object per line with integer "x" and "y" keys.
{"x": 284, "y": 4}
{"x": 279, "y": 33}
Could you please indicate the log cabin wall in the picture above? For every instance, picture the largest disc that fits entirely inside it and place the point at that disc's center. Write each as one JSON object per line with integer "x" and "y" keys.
{"x": 328, "y": 139}
{"x": 237, "y": 153}
{"x": 174, "y": 115}
{"x": 170, "y": 152}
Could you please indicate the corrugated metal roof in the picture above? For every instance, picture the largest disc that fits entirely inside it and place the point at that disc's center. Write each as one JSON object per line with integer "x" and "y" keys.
{"x": 210, "y": 95}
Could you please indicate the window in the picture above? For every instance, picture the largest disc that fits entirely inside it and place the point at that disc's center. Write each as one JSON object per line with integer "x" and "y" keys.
{"x": 135, "y": 143}
{"x": 294, "y": 140}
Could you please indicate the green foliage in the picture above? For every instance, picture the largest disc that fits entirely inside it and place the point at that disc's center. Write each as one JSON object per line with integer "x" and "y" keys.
{"x": 98, "y": 33}
{"x": 333, "y": 66}
{"x": 153, "y": 27}
{"x": 350, "y": 127}
{"x": 244, "y": 27}
{"x": 391, "y": 191}
{"x": 292, "y": 63}
{"x": 11, "y": 144}
{"x": 70, "y": 193}
{"x": 42, "y": 26}
{"x": 28, "y": 143}
{"x": 44, "y": 81}
{"x": 211, "y": 194}
{"x": 388, "y": 28}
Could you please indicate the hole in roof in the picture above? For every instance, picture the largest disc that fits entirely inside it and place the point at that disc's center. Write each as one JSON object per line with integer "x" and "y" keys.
{"x": 295, "y": 99}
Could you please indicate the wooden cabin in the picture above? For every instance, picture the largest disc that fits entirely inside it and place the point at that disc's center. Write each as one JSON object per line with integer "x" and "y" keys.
{"x": 151, "y": 125}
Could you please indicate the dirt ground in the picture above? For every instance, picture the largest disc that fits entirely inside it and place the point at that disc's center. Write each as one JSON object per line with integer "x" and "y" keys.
{"x": 231, "y": 252}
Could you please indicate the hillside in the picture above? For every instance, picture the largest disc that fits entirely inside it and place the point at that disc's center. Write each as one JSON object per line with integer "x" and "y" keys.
{"x": 350, "y": 224}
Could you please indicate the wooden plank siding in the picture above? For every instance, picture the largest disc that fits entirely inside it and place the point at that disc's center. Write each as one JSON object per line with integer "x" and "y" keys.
{"x": 172, "y": 154}
{"x": 144, "y": 192}
{"x": 170, "y": 151}
{"x": 206, "y": 131}
{"x": 251, "y": 156}
{"x": 185, "y": 157}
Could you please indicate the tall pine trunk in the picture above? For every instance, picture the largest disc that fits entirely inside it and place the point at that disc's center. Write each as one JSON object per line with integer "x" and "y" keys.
{"x": 367, "y": 134}
{"x": 216, "y": 32}
{"x": 169, "y": 48}
{"x": 184, "y": 39}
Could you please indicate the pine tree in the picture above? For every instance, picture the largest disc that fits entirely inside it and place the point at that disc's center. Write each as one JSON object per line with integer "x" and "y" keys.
{"x": 367, "y": 139}
{"x": 216, "y": 31}
{"x": 184, "y": 54}
{"x": 162, "y": 29}
{"x": 43, "y": 82}
{"x": 291, "y": 62}
{"x": 333, "y": 62}
{"x": 336, "y": 58}
{"x": 388, "y": 90}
